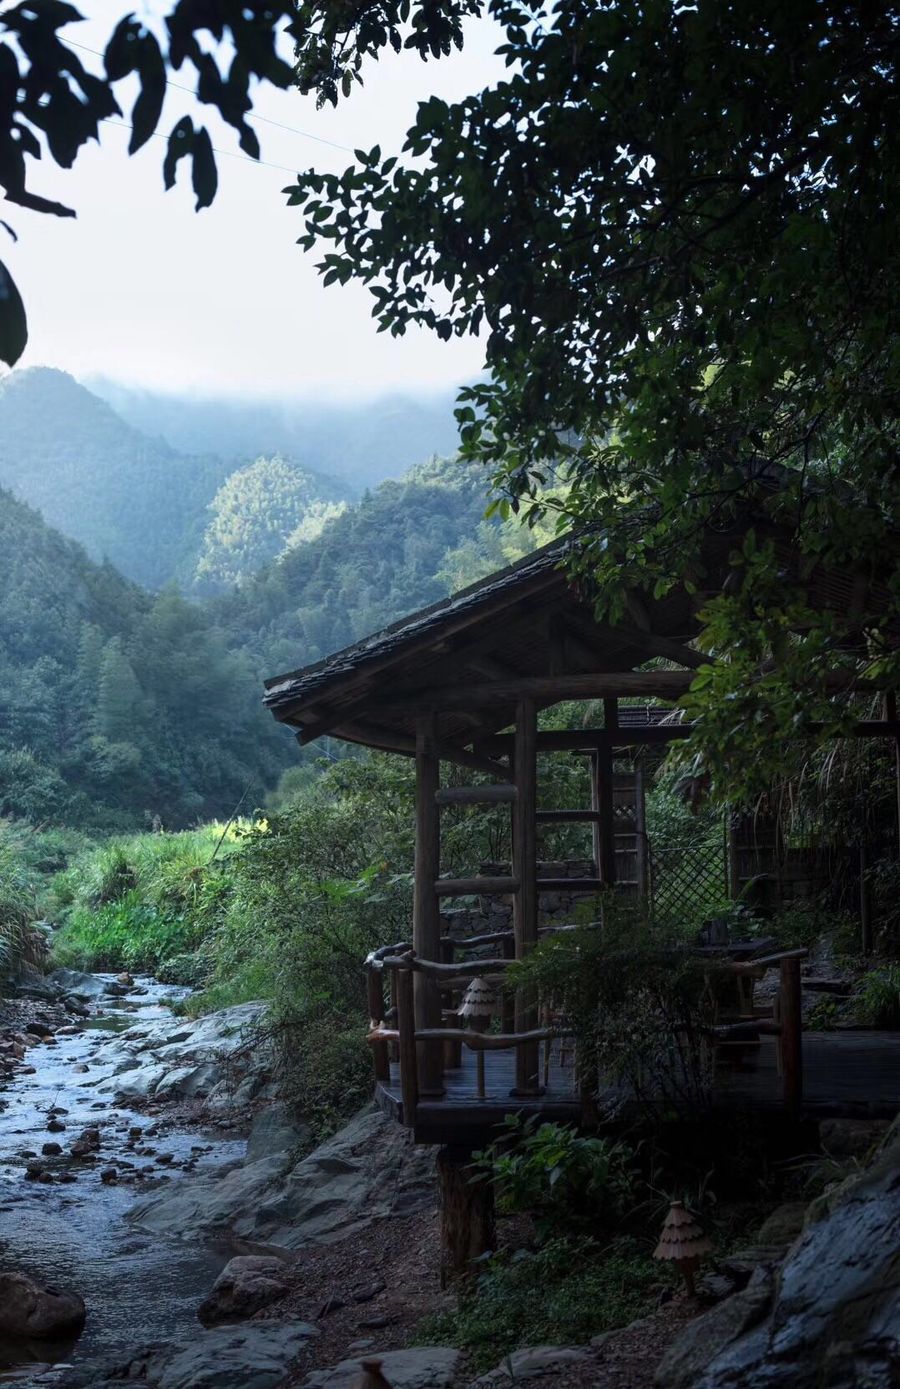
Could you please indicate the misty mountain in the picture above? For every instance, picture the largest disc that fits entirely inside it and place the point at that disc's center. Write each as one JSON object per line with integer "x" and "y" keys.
{"x": 360, "y": 443}
{"x": 130, "y": 497}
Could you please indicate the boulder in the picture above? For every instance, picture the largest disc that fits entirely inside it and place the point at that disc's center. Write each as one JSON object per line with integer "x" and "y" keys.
{"x": 531, "y": 1362}
{"x": 255, "y": 1356}
{"x": 246, "y": 1284}
{"x": 368, "y": 1170}
{"x": 420, "y": 1367}
{"x": 834, "y": 1314}
{"x": 29, "y": 1311}
{"x": 85, "y": 988}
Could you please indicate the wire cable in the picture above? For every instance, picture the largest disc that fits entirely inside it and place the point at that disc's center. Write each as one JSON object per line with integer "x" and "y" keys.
{"x": 251, "y": 116}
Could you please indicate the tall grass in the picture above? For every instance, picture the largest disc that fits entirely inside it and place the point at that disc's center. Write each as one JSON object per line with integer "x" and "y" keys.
{"x": 18, "y": 940}
{"x": 139, "y": 901}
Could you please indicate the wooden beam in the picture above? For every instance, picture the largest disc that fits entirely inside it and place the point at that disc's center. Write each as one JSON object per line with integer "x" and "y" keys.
{"x": 386, "y": 740}
{"x": 546, "y": 689}
{"x": 426, "y": 913}
{"x": 475, "y": 887}
{"x": 604, "y": 781}
{"x": 525, "y": 906}
{"x": 476, "y": 795}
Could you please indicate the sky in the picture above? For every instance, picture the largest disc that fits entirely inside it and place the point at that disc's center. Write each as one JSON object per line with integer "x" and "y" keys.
{"x": 142, "y": 289}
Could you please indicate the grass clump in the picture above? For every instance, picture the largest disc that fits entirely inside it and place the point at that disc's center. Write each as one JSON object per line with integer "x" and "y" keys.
{"x": 561, "y": 1293}
{"x": 878, "y": 1000}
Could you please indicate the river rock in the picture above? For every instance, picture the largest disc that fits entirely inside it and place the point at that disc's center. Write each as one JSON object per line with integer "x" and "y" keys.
{"x": 531, "y": 1362}
{"x": 254, "y": 1356}
{"x": 420, "y": 1367}
{"x": 246, "y": 1284}
{"x": 84, "y": 988}
{"x": 368, "y": 1170}
{"x": 834, "y": 1313}
{"x": 30, "y": 1311}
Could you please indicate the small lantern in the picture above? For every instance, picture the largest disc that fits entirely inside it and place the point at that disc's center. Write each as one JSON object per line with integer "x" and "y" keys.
{"x": 370, "y": 1376}
{"x": 478, "y": 1007}
{"x": 682, "y": 1243}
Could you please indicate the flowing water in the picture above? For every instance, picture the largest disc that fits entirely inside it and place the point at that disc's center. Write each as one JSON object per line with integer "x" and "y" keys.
{"x": 138, "y": 1288}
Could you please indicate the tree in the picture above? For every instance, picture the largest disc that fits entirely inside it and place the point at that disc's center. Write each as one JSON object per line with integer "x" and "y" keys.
{"x": 674, "y": 225}
{"x": 50, "y": 102}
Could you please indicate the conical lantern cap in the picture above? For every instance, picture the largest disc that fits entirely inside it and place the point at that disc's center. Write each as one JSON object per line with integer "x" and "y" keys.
{"x": 479, "y": 1000}
{"x": 682, "y": 1240}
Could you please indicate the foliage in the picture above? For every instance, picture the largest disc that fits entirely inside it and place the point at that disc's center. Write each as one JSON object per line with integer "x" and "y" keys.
{"x": 261, "y": 511}
{"x": 141, "y": 902}
{"x": 564, "y": 1292}
{"x": 878, "y": 998}
{"x": 638, "y": 1003}
{"x": 679, "y": 256}
{"x": 17, "y": 906}
{"x": 562, "y": 1177}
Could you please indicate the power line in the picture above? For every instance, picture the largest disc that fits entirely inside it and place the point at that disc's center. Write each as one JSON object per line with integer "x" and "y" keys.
{"x": 227, "y": 154}
{"x": 252, "y": 115}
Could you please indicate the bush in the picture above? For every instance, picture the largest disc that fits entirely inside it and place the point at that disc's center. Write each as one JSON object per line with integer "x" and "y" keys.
{"x": 639, "y": 1005}
{"x": 878, "y": 999}
{"x": 17, "y": 908}
{"x": 562, "y": 1293}
{"x": 562, "y": 1177}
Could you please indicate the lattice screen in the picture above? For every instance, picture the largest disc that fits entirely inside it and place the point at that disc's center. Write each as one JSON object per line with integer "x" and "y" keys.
{"x": 688, "y": 883}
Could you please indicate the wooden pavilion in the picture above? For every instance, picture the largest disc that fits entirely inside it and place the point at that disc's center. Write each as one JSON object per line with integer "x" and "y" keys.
{"x": 462, "y": 682}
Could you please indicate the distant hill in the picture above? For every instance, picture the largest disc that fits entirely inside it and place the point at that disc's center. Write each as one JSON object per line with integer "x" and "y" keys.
{"x": 117, "y": 705}
{"x": 361, "y": 444}
{"x": 131, "y": 498}
{"x": 259, "y": 512}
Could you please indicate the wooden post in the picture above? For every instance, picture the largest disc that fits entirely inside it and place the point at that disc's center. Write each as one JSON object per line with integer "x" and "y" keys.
{"x": 524, "y": 868}
{"x": 406, "y": 1026}
{"x": 865, "y": 905}
{"x": 791, "y": 1033}
{"x": 426, "y": 908}
{"x": 467, "y": 1215}
{"x": 596, "y": 850}
{"x": 642, "y": 856}
{"x": 603, "y": 764}
{"x": 376, "y": 1013}
{"x": 890, "y": 709}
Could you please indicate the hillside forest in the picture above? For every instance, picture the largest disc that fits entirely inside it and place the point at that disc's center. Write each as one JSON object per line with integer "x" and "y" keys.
{"x": 133, "y": 698}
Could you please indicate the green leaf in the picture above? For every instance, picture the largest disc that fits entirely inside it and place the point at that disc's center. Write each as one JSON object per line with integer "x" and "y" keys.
{"x": 13, "y": 321}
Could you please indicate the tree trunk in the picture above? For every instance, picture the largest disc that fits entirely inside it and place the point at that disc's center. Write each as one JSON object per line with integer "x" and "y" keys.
{"x": 467, "y": 1215}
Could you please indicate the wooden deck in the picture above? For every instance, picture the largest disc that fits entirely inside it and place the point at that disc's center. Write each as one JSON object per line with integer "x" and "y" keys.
{"x": 845, "y": 1075}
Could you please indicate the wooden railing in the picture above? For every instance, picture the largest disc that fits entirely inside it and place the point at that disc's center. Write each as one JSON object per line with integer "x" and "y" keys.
{"x": 394, "y": 1027}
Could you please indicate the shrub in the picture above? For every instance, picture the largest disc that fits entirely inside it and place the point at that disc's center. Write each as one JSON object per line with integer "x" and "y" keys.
{"x": 564, "y": 1292}
{"x": 564, "y": 1178}
{"x": 878, "y": 999}
{"x": 17, "y": 908}
{"x": 638, "y": 1002}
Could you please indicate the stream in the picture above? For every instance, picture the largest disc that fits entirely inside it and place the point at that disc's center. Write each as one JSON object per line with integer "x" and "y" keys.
{"x": 138, "y": 1287}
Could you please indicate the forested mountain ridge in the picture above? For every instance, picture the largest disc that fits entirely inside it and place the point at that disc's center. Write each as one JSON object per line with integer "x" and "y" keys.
{"x": 369, "y": 566}
{"x": 125, "y": 496}
{"x": 258, "y": 513}
{"x": 362, "y": 443}
{"x": 117, "y": 705}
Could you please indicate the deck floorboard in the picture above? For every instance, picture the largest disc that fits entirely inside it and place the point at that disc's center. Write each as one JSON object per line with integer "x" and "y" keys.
{"x": 845, "y": 1075}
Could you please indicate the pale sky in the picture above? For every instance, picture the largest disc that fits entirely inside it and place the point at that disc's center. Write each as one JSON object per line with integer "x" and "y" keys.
{"x": 143, "y": 289}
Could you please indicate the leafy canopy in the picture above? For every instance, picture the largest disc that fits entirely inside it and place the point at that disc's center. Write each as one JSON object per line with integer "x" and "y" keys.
{"x": 672, "y": 223}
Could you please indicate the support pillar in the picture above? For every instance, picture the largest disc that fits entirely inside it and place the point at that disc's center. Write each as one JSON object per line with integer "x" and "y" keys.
{"x": 426, "y": 909}
{"x": 467, "y": 1215}
{"x": 524, "y": 868}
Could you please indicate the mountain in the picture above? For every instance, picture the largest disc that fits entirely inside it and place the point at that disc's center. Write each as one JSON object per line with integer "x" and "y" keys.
{"x": 369, "y": 566}
{"x": 259, "y": 512}
{"x": 117, "y": 705}
{"x": 125, "y": 496}
{"x": 360, "y": 443}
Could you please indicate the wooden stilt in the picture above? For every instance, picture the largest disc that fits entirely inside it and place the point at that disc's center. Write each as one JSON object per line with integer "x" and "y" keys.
{"x": 524, "y": 867}
{"x": 467, "y": 1215}
{"x": 426, "y": 908}
{"x": 790, "y": 1002}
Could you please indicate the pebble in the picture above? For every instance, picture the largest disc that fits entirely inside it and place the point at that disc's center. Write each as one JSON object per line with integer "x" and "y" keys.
{"x": 51, "y": 1150}
{"x": 55, "y": 1126}
{"x": 109, "y": 1175}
